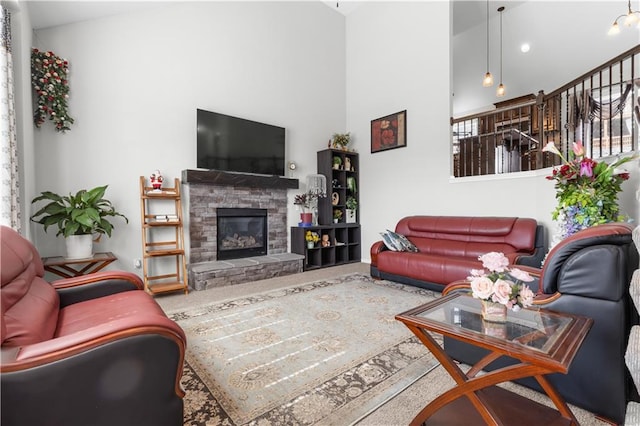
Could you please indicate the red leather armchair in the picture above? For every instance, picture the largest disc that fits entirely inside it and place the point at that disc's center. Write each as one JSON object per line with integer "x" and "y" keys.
{"x": 91, "y": 350}
{"x": 586, "y": 274}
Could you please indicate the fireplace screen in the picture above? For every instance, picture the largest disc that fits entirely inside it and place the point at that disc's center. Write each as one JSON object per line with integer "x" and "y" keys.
{"x": 241, "y": 233}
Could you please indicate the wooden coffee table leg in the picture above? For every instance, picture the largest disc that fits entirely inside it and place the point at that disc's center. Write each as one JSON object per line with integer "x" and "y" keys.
{"x": 458, "y": 376}
{"x": 557, "y": 400}
{"x": 468, "y": 384}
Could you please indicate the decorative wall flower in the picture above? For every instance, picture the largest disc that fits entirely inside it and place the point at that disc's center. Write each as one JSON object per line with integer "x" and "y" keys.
{"x": 586, "y": 190}
{"x": 501, "y": 284}
{"x": 51, "y": 88}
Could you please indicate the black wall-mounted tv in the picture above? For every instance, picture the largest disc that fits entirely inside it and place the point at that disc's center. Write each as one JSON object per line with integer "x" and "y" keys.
{"x": 234, "y": 144}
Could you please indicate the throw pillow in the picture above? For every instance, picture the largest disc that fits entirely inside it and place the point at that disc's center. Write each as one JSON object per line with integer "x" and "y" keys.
{"x": 402, "y": 241}
{"x": 389, "y": 243}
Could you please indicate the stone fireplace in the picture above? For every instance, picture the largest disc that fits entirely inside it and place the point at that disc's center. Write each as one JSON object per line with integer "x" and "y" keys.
{"x": 211, "y": 193}
{"x": 241, "y": 233}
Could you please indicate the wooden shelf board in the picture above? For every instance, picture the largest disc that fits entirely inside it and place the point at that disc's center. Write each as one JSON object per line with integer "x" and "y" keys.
{"x": 157, "y": 253}
{"x": 166, "y": 287}
{"x": 513, "y": 409}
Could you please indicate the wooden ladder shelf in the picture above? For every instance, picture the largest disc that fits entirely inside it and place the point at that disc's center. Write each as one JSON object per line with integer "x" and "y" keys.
{"x": 164, "y": 264}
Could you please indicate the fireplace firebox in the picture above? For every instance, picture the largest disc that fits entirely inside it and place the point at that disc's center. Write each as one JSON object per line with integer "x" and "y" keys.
{"x": 242, "y": 232}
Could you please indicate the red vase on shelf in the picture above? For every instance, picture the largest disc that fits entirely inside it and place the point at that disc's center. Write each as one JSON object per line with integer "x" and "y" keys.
{"x": 305, "y": 219}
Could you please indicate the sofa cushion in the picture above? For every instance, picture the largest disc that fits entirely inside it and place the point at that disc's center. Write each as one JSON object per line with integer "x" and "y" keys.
{"x": 29, "y": 304}
{"x": 469, "y": 236}
{"x": 100, "y": 313}
{"x": 427, "y": 267}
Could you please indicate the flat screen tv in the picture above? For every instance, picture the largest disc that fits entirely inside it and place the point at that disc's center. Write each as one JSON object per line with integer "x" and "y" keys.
{"x": 234, "y": 144}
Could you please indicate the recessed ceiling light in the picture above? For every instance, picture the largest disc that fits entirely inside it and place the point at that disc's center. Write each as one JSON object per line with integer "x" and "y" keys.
{"x": 524, "y": 48}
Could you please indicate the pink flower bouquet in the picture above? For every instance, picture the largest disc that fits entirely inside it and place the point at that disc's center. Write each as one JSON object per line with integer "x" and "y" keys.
{"x": 501, "y": 284}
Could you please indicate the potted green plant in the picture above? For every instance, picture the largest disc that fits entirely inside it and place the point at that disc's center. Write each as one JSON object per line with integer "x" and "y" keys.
{"x": 341, "y": 140}
{"x": 337, "y": 162}
{"x": 352, "y": 206}
{"x": 78, "y": 217}
{"x": 337, "y": 215}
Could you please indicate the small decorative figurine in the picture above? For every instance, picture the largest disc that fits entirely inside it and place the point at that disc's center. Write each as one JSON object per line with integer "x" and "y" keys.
{"x": 156, "y": 180}
{"x": 325, "y": 240}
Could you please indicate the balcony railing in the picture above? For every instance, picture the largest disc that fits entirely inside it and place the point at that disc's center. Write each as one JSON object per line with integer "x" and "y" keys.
{"x": 601, "y": 109}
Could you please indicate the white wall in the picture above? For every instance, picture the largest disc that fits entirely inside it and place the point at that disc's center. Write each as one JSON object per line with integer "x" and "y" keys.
{"x": 397, "y": 58}
{"x": 137, "y": 79}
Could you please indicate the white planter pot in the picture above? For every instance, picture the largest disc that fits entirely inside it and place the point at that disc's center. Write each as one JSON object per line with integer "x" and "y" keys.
{"x": 351, "y": 216}
{"x": 79, "y": 246}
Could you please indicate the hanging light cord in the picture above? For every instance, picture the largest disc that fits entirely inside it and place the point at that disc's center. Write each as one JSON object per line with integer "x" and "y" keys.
{"x": 501, "y": 9}
{"x": 487, "y": 35}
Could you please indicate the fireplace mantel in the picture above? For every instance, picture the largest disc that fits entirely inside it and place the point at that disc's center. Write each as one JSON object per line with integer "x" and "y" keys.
{"x": 217, "y": 177}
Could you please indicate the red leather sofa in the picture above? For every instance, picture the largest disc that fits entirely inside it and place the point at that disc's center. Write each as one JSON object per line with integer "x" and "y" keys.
{"x": 449, "y": 246}
{"x": 90, "y": 350}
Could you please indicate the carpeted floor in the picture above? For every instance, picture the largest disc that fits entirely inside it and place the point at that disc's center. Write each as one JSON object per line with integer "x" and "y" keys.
{"x": 400, "y": 410}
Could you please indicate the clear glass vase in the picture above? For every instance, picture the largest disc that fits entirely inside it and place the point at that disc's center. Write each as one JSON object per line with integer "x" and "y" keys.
{"x": 494, "y": 312}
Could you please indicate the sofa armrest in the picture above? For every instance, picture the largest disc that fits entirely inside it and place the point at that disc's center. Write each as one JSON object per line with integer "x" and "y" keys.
{"x": 129, "y": 378}
{"x": 460, "y": 286}
{"x": 376, "y": 248}
{"x": 99, "y": 284}
{"x": 541, "y": 300}
{"x": 540, "y": 251}
{"x": 60, "y": 348}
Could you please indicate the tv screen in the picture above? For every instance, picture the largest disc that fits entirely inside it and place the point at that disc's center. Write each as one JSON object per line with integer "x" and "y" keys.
{"x": 237, "y": 145}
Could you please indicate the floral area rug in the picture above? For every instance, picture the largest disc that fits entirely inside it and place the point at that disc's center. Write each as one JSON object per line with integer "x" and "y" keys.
{"x": 323, "y": 353}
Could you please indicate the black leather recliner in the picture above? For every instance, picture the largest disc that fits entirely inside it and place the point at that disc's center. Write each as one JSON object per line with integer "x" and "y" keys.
{"x": 586, "y": 274}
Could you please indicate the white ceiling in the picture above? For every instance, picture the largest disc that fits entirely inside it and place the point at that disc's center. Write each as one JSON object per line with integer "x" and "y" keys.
{"x": 50, "y": 13}
{"x": 469, "y": 13}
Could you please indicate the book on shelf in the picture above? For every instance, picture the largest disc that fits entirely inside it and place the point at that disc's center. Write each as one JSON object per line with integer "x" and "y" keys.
{"x": 166, "y": 218}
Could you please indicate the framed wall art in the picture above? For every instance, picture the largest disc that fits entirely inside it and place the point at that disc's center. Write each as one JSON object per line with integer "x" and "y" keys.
{"x": 389, "y": 132}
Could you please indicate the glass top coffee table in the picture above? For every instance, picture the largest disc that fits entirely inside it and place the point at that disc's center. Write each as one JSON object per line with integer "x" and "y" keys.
{"x": 543, "y": 341}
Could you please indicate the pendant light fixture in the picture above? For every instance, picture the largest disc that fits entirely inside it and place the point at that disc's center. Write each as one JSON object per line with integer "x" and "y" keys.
{"x": 630, "y": 18}
{"x": 488, "y": 78}
{"x": 501, "y": 89}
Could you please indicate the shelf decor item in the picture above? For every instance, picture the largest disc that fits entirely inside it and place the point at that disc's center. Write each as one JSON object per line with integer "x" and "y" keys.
{"x": 352, "y": 206}
{"x": 337, "y": 215}
{"x": 156, "y": 180}
{"x": 337, "y": 162}
{"x": 351, "y": 185}
{"x": 341, "y": 140}
{"x": 501, "y": 285}
{"x": 303, "y": 201}
{"x": 586, "y": 190}
{"x": 389, "y": 132}
{"x": 311, "y": 238}
{"x": 316, "y": 188}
